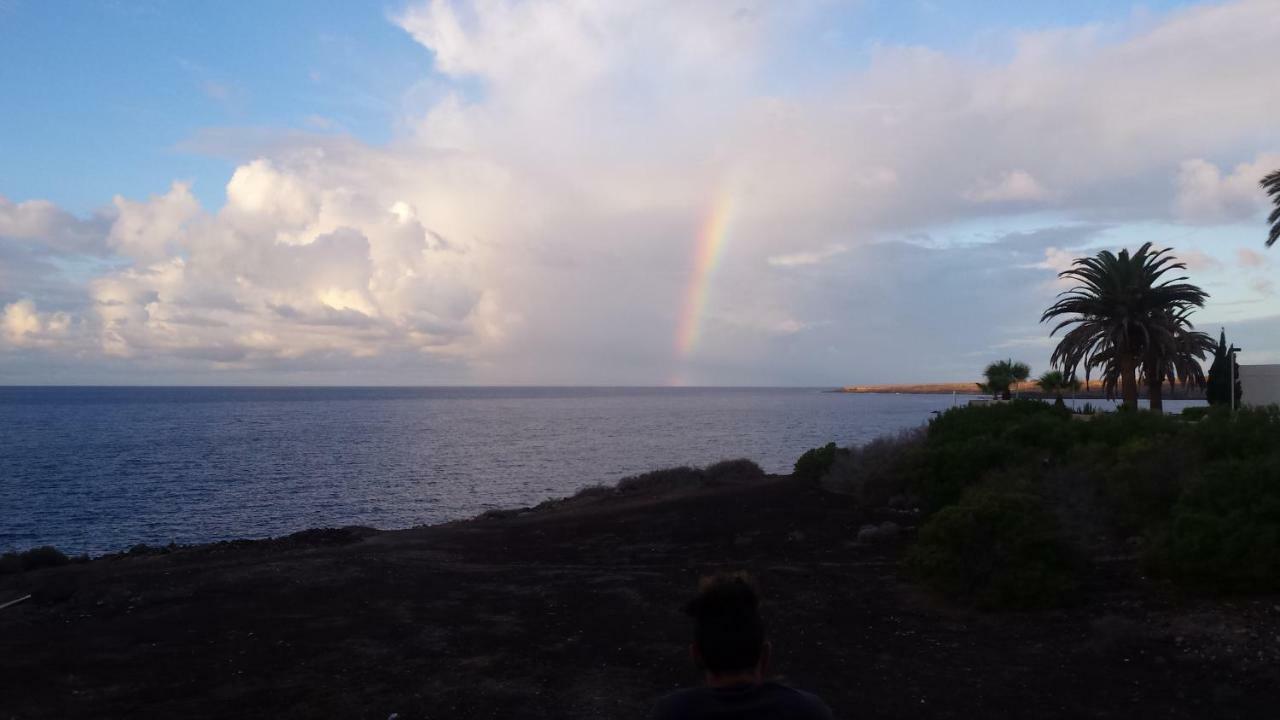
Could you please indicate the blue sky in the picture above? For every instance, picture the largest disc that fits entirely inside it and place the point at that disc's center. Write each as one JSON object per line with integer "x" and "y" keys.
{"x": 107, "y": 93}
{"x": 107, "y": 96}
{"x": 447, "y": 191}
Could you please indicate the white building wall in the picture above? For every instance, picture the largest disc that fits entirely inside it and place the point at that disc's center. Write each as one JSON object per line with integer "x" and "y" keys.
{"x": 1260, "y": 384}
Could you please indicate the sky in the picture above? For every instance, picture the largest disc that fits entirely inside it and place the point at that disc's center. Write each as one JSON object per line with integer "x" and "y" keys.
{"x": 612, "y": 192}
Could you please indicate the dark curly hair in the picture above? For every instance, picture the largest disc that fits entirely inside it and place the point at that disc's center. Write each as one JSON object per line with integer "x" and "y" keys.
{"x": 726, "y": 622}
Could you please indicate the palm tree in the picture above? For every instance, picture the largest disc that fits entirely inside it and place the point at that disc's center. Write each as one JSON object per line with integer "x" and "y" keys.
{"x": 1175, "y": 354}
{"x": 1119, "y": 310}
{"x": 1019, "y": 371}
{"x": 1056, "y": 382}
{"x": 1000, "y": 375}
{"x": 1271, "y": 184}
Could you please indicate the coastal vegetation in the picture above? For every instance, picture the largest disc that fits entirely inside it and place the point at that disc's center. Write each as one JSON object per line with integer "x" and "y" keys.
{"x": 1127, "y": 320}
{"x": 1019, "y": 501}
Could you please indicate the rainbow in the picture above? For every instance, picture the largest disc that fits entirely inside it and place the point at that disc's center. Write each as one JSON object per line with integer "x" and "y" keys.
{"x": 710, "y": 245}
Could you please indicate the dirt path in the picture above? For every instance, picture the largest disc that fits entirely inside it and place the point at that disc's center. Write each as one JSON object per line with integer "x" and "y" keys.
{"x": 573, "y": 612}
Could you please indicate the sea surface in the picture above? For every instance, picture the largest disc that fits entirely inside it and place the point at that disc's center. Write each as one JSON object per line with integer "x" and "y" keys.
{"x": 100, "y": 469}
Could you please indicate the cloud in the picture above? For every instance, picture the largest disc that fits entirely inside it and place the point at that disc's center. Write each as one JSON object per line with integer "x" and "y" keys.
{"x": 1250, "y": 258}
{"x": 294, "y": 264}
{"x": 1198, "y": 261}
{"x": 1013, "y": 186}
{"x": 25, "y": 327}
{"x": 1206, "y": 195}
{"x": 811, "y": 257}
{"x": 146, "y": 231}
{"x": 44, "y": 226}
{"x": 538, "y": 222}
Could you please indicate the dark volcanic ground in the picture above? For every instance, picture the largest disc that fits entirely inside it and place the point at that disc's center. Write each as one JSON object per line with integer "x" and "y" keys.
{"x": 573, "y": 612}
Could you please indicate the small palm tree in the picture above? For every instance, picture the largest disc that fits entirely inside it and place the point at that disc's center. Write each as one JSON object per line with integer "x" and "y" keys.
{"x": 1118, "y": 313}
{"x": 1271, "y": 184}
{"x": 1056, "y": 382}
{"x": 1003, "y": 374}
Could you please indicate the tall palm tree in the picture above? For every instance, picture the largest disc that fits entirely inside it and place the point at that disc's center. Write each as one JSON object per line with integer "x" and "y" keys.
{"x": 1056, "y": 382}
{"x": 1119, "y": 309}
{"x": 1271, "y": 184}
{"x": 1001, "y": 375}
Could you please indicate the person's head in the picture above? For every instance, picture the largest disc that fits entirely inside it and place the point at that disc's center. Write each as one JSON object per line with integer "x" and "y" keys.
{"x": 728, "y": 633}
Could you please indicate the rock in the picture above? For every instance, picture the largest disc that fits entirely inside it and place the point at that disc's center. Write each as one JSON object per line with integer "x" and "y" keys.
{"x": 887, "y": 530}
{"x": 868, "y": 534}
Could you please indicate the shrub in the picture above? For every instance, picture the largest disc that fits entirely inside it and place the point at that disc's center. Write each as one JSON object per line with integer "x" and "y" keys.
{"x": 944, "y": 472}
{"x": 815, "y": 463}
{"x": 997, "y": 549}
{"x": 1194, "y": 413}
{"x": 1142, "y": 480}
{"x": 1118, "y": 428}
{"x": 733, "y": 471}
{"x": 974, "y": 421}
{"x": 1249, "y": 433}
{"x": 594, "y": 491}
{"x": 1225, "y": 529}
{"x": 658, "y": 481}
{"x": 878, "y": 470}
{"x": 965, "y": 445}
{"x": 33, "y": 559}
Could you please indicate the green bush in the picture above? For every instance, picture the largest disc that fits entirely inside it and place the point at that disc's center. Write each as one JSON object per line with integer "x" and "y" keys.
{"x": 974, "y": 421}
{"x": 1118, "y": 428}
{"x": 943, "y": 472}
{"x": 1251, "y": 432}
{"x": 1194, "y": 413}
{"x": 1225, "y": 529}
{"x": 1013, "y": 486}
{"x": 815, "y": 463}
{"x": 1141, "y": 481}
{"x": 965, "y": 445}
{"x": 997, "y": 549}
{"x": 878, "y": 470}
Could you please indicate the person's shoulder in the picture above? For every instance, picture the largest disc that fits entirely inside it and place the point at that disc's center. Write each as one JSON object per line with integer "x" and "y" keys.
{"x": 800, "y": 703}
{"x": 680, "y": 703}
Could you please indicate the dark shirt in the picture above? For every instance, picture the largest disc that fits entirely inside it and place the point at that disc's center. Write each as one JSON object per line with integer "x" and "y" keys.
{"x": 767, "y": 701}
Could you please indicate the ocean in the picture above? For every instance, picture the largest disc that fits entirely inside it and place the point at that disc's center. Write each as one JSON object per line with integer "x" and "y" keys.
{"x": 94, "y": 470}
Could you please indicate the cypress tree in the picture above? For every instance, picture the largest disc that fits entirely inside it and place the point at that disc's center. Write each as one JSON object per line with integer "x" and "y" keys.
{"x": 1218, "y": 388}
{"x": 1216, "y": 391}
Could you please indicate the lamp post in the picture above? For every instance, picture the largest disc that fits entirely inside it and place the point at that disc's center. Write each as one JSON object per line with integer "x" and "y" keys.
{"x": 1231, "y": 362}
